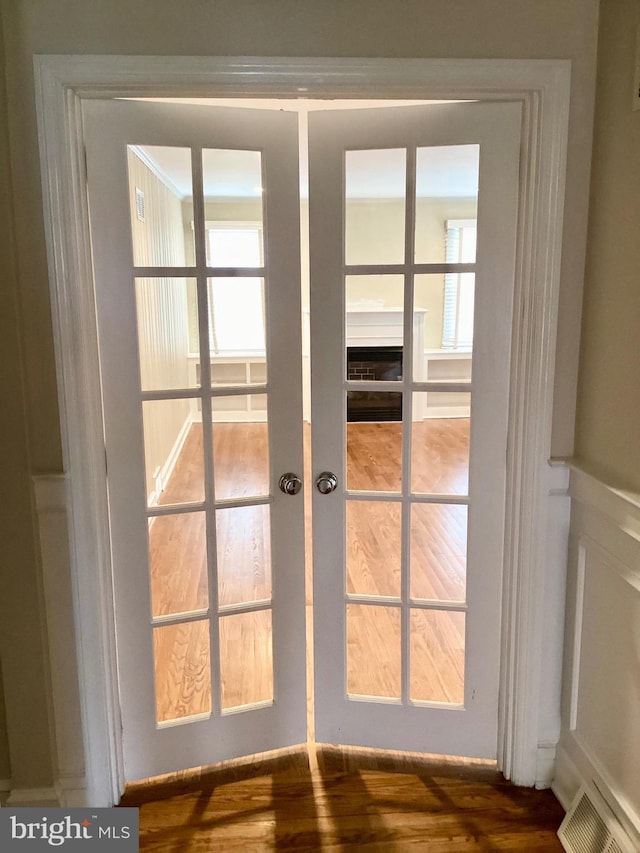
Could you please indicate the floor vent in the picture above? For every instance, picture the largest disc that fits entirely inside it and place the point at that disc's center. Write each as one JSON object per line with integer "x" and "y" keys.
{"x": 591, "y": 827}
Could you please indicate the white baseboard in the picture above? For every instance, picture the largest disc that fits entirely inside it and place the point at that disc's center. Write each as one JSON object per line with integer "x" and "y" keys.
{"x": 545, "y": 765}
{"x": 71, "y": 791}
{"x": 167, "y": 468}
{"x": 567, "y": 779}
{"x": 236, "y": 416}
{"x": 446, "y": 412}
{"x": 25, "y": 797}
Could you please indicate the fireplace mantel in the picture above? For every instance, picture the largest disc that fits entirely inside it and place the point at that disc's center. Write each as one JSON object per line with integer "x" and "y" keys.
{"x": 382, "y": 326}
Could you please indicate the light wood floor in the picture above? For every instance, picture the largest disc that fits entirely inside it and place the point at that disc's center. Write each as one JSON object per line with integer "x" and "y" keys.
{"x": 342, "y": 799}
{"x": 438, "y": 549}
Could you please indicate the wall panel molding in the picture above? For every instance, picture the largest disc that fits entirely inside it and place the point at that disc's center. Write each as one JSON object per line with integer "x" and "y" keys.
{"x": 600, "y": 738}
{"x": 51, "y": 497}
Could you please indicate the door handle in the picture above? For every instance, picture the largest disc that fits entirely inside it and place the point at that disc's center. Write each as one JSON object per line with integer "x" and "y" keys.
{"x": 326, "y": 482}
{"x": 290, "y": 483}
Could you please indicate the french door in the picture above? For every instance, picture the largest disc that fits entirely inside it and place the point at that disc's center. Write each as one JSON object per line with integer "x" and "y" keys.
{"x": 203, "y": 417}
{"x": 412, "y": 221}
{"x": 208, "y": 552}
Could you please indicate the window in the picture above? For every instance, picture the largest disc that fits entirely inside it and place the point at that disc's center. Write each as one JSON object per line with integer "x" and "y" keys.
{"x": 459, "y": 288}
{"x": 236, "y": 305}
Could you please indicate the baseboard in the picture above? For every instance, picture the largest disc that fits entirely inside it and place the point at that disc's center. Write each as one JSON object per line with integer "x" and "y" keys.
{"x": 26, "y": 797}
{"x": 170, "y": 463}
{"x": 567, "y": 779}
{"x": 545, "y": 765}
{"x": 5, "y": 786}
{"x": 71, "y": 791}
{"x": 446, "y": 412}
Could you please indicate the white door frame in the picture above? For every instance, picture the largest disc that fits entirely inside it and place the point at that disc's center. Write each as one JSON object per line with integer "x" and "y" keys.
{"x": 61, "y": 82}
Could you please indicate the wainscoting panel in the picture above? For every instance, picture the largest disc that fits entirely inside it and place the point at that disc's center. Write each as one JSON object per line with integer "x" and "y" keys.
{"x": 600, "y": 740}
{"x": 50, "y": 493}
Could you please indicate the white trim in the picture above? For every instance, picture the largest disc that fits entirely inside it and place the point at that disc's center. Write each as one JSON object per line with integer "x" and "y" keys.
{"x": 436, "y": 412}
{"x": 617, "y": 505}
{"x": 77, "y": 369}
{"x": 567, "y": 779}
{"x": 25, "y": 797}
{"x": 50, "y": 494}
{"x": 166, "y": 469}
{"x": 543, "y": 87}
{"x": 545, "y": 764}
{"x": 533, "y": 365}
{"x": 71, "y": 791}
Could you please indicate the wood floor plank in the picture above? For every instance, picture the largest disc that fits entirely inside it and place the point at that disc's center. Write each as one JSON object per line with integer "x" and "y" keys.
{"x": 334, "y": 798}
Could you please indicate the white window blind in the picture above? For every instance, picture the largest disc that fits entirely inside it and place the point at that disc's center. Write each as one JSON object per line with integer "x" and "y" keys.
{"x": 236, "y": 305}
{"x": 459, "y": 288}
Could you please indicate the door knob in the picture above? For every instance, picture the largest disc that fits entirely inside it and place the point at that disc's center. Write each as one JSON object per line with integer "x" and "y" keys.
{"x": 326, "y": 482}
{"x": 290, "y": 483}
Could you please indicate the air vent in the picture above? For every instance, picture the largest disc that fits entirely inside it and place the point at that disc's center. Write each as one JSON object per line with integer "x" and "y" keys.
{"x": 591, "y": 827}
{"x": 140, "y": 204}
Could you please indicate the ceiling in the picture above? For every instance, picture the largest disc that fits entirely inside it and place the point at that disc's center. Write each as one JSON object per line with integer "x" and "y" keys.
{"x": 443, "y": 172}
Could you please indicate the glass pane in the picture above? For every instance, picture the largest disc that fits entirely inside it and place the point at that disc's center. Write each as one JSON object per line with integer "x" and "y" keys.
{"x": 178, "y": 563}
{"x": 246, "y": 659}
{"x": 235, "y": 370}
{"x": 439, "y": 551}
{"x": 174, "y": 465}
{"x": 243, "y": 536}
{"x": 446, "y": 196}
{"x": 374, "y": 453}
{"x": 240, "y": 448}
{"x": 375, "y": 206}
{"x": 182, "y": 670}
{"x": 237, "y": 316}
{"x": 437, "y": 656}
{"x": 440, "y": 445}
{"x": 458, "y": 311}
{"x": 232, "y": 182}
{"x": 368, "y": 300}
{"x": 373, "y": 651}
{"x": 160, "y": 193}
{"x": 376, "y": 406}
{"x": 443, "y": 327}
{"x": 373, "y": 547}
{"x": 163, "y": 307}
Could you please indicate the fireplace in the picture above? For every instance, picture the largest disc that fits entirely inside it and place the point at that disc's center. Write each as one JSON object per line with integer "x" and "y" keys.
{"x": 371, "y": 364}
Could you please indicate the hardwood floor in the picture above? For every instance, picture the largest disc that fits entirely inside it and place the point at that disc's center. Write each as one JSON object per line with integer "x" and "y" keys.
{"x": 341, "y": 799}
{"x": 438, "y": 566}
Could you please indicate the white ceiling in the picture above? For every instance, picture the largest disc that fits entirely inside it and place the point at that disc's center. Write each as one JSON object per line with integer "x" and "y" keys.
{"x": 445, "y": 172}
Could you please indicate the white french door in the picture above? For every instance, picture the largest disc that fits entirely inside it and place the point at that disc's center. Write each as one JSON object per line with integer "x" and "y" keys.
{"x": 201, "y": 422}
{"x": 208, "y": 552}
{"x": 408, "y": 545}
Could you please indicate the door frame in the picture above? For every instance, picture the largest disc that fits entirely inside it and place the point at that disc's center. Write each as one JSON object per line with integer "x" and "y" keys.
{"x": 85, "y": 665}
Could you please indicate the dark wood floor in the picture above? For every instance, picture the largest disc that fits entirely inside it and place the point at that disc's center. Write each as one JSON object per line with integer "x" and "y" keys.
{"x": 330, "y": 798}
